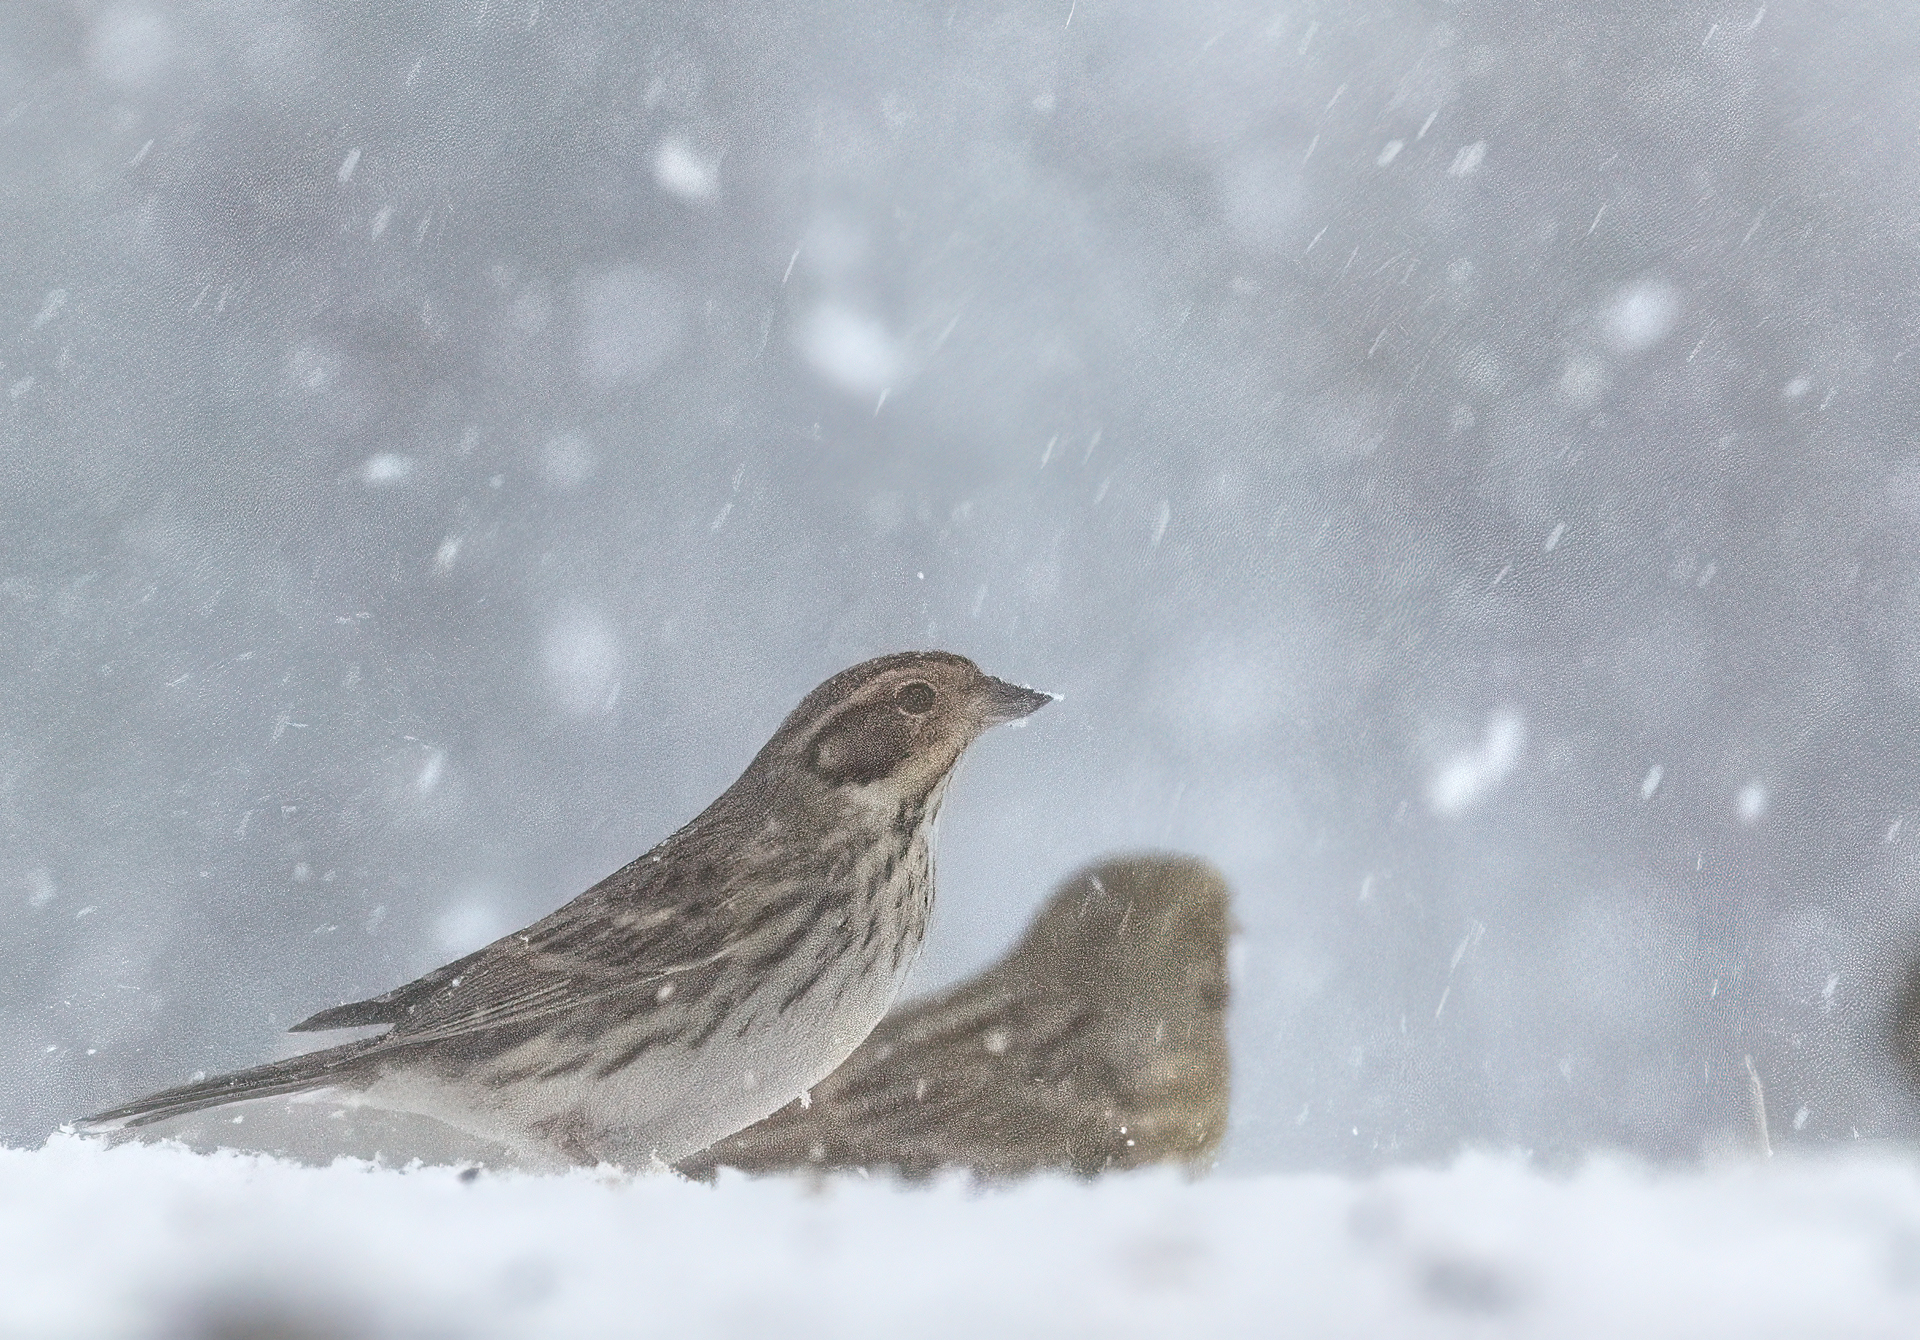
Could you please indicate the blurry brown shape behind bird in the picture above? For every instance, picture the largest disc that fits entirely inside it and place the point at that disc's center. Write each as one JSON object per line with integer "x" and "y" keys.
{"x": 1098, "y": 1043}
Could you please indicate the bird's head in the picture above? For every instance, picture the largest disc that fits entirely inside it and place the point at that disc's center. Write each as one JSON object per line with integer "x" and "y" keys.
{"x": 890, "y": 730}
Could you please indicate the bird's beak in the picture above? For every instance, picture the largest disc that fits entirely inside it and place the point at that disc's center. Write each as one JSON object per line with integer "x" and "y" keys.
{"x": 1002, "y": 702}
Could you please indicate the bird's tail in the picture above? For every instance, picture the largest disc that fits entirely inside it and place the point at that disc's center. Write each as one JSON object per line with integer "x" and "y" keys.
{"x": 296, "y": 1074}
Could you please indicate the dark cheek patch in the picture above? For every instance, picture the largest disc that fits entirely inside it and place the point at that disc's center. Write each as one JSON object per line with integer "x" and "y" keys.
{"x": 863, "y": 745}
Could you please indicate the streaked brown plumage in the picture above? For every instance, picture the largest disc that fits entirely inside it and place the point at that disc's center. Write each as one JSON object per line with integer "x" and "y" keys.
{"x": 1099, "y": 1042}
{"x": 703, "y": 985}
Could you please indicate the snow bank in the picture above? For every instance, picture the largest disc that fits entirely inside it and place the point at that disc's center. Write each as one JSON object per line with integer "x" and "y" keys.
{"x": 156, "y": 1241}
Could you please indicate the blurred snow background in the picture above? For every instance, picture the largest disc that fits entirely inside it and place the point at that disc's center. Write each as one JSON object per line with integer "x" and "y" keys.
{"x": 1457, "y": 459}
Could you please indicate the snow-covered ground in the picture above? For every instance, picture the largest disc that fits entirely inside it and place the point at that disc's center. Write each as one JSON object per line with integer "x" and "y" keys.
{"x": 153, "y": 1240}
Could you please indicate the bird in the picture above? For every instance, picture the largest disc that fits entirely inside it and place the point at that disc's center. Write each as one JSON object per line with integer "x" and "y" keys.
{"x": 699, "y": 987}
{"x": 1098, "y": 1043}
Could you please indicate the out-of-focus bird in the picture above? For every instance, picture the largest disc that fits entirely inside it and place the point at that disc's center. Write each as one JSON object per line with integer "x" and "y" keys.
{"x": 1099, "y": 1042}
{"x": 704, "y": 985}
{"x": 1902, "y": 1019}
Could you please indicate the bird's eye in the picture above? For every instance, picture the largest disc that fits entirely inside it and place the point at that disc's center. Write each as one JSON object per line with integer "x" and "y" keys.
{"x": 915, "y": 697}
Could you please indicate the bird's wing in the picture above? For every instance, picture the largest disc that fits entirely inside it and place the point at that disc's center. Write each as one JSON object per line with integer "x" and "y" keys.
{"x": 634, "y": 933}
{"x": 506, "y": 988}
{"x": 388, "y": 1008}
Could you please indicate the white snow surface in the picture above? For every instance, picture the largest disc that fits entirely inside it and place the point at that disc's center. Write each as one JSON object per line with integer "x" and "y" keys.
{"x": 154, "y": 1240}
